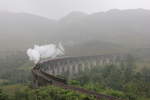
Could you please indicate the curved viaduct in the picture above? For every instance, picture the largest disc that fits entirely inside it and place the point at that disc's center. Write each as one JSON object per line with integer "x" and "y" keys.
{"x": 45, "y": 72}
{"x": 72, "y": 65}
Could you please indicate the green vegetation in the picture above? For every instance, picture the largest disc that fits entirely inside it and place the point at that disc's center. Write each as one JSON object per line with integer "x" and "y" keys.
{"x": 44, "y": 93}
{"x": 129, "y": 81}
{"x": 121, "y": 81}
{"x": 12, "y": 68}
{"x": 3, "y": 96}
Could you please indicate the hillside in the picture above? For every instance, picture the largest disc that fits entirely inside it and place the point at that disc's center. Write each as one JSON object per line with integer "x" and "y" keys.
{"x": 20, "y": 30}
{"x": 125, "y": 27}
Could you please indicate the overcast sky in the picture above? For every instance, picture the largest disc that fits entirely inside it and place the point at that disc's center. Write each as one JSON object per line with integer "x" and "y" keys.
{"x": 57, "y": 8}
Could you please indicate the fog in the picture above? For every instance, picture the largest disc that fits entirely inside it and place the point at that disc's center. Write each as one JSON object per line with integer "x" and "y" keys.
{"x": 56, "y": 9}
{"x": 85, "y": 27}
{"x": 103, "y": 45}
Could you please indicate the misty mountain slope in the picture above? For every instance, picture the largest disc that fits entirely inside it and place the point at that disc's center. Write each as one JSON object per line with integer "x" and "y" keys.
{"x": 92, "y": 47}
{"x": 19, "y": 30}
{"x": 125, "y": 27}
{"x": 72, "y": 17}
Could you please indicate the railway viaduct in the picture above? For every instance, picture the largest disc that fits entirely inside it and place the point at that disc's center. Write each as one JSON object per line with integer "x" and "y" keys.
{"x": 45, "y": 72}
{"x": 73, "y": 65}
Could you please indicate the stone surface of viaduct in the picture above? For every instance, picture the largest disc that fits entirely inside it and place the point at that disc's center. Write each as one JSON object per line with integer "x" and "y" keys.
{"x": 73, "y": 65}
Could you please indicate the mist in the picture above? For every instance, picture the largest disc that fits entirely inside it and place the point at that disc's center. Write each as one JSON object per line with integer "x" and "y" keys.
{"x": 56, "y": 9}
{"x": 99, "y": 48}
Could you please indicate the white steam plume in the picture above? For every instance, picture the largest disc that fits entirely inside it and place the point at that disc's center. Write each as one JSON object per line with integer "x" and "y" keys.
{"x": 45, "y": 51}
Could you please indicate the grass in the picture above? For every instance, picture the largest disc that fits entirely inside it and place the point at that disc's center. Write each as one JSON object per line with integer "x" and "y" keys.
{"x": 141, "y": 64}
{"x": 11, "y": 89}
{"x": 3, "y": 81}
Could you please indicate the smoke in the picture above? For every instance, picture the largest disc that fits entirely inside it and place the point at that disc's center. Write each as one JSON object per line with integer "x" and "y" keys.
{"x": 45, "y": 51}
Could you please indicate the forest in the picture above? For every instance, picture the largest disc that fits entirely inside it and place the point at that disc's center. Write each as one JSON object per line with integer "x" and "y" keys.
{"x": 126, "y": 81}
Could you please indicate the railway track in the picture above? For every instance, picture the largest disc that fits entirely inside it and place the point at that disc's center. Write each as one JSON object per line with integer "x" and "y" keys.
{"x": 62, "y": 84}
